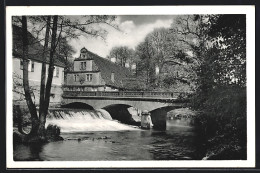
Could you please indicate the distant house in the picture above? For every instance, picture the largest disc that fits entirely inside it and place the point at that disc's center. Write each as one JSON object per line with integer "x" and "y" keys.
{"x": 94, "y": 73}
{"x": 34, "y": 69}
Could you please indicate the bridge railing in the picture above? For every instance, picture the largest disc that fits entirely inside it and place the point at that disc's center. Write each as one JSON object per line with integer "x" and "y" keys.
{"x": 151, "y": 94}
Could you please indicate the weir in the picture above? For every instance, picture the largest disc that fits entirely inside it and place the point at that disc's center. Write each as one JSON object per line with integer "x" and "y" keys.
{"x": 78, "y": 120}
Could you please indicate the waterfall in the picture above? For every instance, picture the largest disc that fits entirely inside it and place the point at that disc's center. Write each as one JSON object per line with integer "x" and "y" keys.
{"x": 73, "y": 120}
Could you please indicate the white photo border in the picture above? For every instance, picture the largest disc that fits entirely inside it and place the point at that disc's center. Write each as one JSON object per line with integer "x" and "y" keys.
{"x": 249, "y": 10}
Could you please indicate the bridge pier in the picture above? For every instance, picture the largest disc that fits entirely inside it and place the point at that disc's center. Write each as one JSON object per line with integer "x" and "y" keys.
{"x": 159, "y": 117}
{"x": 159, "y": 120}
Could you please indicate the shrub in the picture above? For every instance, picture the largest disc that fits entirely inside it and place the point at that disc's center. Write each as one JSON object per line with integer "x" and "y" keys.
{"x": 52, "y": 131}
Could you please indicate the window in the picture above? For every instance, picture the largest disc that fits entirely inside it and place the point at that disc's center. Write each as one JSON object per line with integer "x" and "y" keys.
{"x": 32, "y": 66}
{"x": 21, "y": 64}
{"x": 89, "y": 77}
{"x": 83, "y": 66}
{"x": 57, "y": 71}
{"x": 52, "y": 95}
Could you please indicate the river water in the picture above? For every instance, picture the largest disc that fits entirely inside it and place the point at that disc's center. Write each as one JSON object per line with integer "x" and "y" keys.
{"x": 93, "y": 136}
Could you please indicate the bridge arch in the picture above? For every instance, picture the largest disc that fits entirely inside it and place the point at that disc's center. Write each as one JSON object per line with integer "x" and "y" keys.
{"x": 77, "y": 105}
{"x": 159, "y": 116}
{"x": 117, "y": 107}
{"x": 120, "y": 112}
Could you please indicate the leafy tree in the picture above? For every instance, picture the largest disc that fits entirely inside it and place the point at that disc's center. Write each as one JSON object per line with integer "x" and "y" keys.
{"x": 221, "y": 79}
{"x": 228, "y": 34}
{"x": 224, "y": 61}
{"x": 123, "y": 56}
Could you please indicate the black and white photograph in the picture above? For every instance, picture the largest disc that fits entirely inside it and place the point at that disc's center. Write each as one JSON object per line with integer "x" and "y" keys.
{"x": 144, "y": 85}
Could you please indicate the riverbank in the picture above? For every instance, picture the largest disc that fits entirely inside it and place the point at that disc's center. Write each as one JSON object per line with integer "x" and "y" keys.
{"x": 22, "y": 128}
{"x": 225, "y": 138}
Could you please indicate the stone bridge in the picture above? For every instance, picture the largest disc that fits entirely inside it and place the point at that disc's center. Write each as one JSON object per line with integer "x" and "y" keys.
{"x": 115, "y": 102}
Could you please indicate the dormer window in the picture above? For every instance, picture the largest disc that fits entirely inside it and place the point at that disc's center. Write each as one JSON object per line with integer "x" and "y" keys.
{"x": 75, "y": 77}
{"x": 83, "y": 65}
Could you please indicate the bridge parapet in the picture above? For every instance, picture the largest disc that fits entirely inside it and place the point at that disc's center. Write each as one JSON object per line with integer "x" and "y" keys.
{"x": 139, "y": 94}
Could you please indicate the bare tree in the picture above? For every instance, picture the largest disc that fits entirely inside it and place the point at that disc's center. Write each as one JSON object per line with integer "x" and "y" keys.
{"x": 145, "y": 62}
{"x": 28, "y": 98}
{"x": 56, "y": 27}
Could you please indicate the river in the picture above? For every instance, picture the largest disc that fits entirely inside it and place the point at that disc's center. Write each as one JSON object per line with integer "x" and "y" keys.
{"x": 95, "y": 136}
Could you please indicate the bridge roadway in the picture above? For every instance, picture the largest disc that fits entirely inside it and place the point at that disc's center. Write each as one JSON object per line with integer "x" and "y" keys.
{"x": 144, "y": 100}
{"x": 157, "y": 103}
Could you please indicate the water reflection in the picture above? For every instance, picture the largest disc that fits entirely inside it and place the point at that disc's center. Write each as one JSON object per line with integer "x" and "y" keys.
{"x": 178, "y": 142}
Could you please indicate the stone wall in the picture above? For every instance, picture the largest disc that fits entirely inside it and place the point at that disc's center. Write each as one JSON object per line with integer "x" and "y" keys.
{"x": 18, "y": 97}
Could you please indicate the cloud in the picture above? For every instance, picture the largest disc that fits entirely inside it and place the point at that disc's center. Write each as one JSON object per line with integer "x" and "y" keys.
{"x": 130, "y": 35}
{"x": 127, "y": 26}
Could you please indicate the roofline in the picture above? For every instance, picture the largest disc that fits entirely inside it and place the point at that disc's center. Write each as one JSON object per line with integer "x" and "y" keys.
{"x": 36, "y": 60}
{"x": 119, "y": 66}
{"x": 83, "y": 85}
{"x": 82, "y": 59}
{"x": 83, "y": 71}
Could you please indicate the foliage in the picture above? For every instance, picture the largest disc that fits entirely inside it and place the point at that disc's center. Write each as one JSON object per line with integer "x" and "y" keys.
{"x": 123, "y": 56}
{"x": 228, "y": 33}
{"x": 52, "y": 131}
{"x": 221, "y": 81}
{"x": 134, "y": 84}
{"x": 223, "y": 63}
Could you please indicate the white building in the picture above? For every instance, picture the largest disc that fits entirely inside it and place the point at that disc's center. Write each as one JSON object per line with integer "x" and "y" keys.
{"x": 34, "y": 70}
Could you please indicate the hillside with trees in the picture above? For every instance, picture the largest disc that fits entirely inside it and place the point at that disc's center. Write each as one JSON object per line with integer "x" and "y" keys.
{"x": 204, "y": 58}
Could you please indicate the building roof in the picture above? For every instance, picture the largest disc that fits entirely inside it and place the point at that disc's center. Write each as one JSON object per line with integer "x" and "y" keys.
{"x": 35, "y": 48}
{"x": 106, "y": 67}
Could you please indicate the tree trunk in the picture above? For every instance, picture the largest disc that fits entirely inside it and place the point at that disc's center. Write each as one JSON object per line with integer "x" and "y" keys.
{"x": 50, "y": 74}
{"x": 28, "y": 98}
{"x": 42, "y": 117}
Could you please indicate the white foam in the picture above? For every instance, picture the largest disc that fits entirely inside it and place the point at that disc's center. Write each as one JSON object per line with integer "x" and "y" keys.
{"x": 81, "y": 121}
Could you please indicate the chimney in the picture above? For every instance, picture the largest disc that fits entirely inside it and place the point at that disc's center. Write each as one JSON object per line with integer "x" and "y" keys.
{"x": 113, "y": 77}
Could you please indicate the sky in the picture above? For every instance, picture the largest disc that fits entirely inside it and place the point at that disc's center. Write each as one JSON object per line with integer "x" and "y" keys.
{"x": 133, "y": 29}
